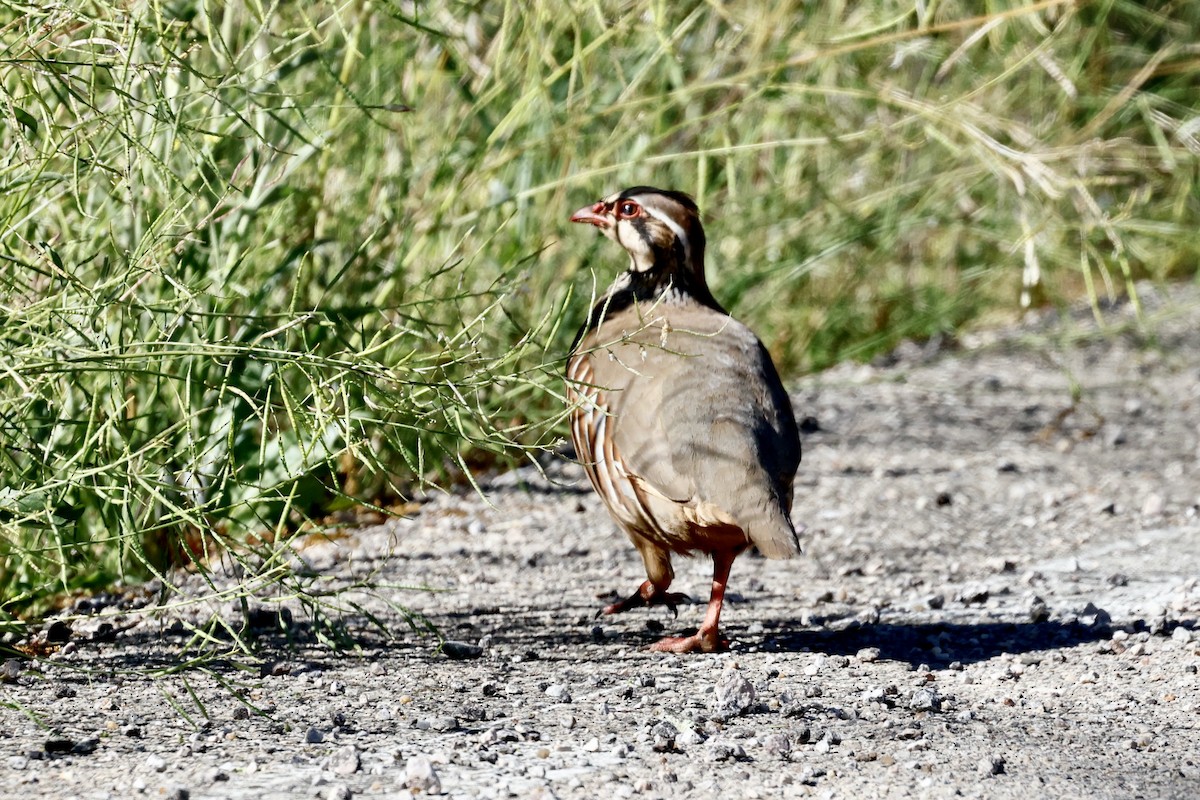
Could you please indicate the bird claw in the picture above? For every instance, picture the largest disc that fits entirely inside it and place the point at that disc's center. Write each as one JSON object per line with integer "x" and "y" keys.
{"x": 671, "y": 600}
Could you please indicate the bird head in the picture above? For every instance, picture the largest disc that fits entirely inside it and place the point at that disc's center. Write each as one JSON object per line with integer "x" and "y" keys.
{"x": 659, "y": 228}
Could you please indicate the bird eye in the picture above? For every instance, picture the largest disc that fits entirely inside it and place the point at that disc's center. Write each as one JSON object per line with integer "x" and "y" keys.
{"x": 628, "y": 209}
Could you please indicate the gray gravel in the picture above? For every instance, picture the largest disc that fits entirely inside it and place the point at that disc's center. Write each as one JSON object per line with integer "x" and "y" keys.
{"x": 998, "y": 599}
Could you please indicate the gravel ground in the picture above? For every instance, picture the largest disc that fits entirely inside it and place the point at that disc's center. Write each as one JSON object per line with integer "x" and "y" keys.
{"x": 998, "y": 599}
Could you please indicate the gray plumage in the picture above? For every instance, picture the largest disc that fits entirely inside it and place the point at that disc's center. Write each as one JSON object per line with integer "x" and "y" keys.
{"x": 681, "y": 420}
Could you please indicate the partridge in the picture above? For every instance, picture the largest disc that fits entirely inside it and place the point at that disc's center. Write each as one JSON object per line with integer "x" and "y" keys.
{"x": 678, "y": 414}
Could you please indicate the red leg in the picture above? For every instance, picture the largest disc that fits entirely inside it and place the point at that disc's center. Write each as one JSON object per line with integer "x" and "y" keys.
{"x": 708, "y": 638}
{"x": 648, "y": 595}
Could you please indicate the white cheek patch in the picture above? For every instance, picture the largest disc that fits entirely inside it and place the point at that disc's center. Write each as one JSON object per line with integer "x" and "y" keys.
{"x": 641, "y": 257}
{"x": 675, "y": 227}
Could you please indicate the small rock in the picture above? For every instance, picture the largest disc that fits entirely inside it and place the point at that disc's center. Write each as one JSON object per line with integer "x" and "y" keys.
{"x": 663, "y": 736}
{"x": 925, "y": 699}
{"x": 1039, "y": 612}
{"x": 345, "y": 761}
{"x": 868, "y": 655}
{"x": 558, "y": 692}
{"x": 1153, "y": 506}
{"x": 314, "y": 736}
{"x": 241, "y": 712}
{"x": 10, "y": 670}
{"x": 420, "y": 775}
{"x": 688, "y": 738}
{"x": 777, "y": 744}
{"x": 85, "y": 746}
{"x": 724, "y": 751}
{"x": 1181, "y": 634}
{"x": 1093, "y": 616}
{"x": 993, "y": 765}
{"x": 339, "y": 791}
{"x": 935, "y": 601}
{"x": 969, "y": 595}
{"x": 444, "y": 724}
{"x": 460, "y": 651}
{"x": 156, "y": 763}
{"x": 59, "y": 632}
{"x": 734, "y": 694}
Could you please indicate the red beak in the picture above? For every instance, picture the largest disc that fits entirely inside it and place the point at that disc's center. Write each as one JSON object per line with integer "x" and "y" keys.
{"x": 593, "y": 215}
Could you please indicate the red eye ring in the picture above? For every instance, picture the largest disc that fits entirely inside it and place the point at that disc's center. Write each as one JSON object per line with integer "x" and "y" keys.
{"x": 627, "y": 208}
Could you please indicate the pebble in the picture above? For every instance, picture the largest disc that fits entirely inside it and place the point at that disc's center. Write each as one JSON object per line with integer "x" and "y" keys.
{"x": 969, "y": 595}
{"x": 1092, "y": 616}
{"x": 1038, "y": 610}
{"x": 663, "y": 737}
{"x": 724, "y": 751}
{"x": 442, "y": 724}
{"x": 777, "y": 744}
{"x": 991, "y": 765}
{"x": 558, "y": 692}
{"x": 216, "y": 775}
{"x": 461, "y": 651}
{"x": 734, "y": 694}
{"x": 1181, "y": 634}
{"x": 339, "y": 791}
{"x": 10, "y": 670}
{"x": 345, "y": 761}
{"x": 419, "y": 775}
{"x": 314, "y": 736}
{"x": 156, "y": 763}
{"x": 925, "y": 699}
{"x": 868, "y": 655}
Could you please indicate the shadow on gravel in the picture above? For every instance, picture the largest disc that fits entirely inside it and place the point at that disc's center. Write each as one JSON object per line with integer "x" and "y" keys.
{"x": 937, "y": 645}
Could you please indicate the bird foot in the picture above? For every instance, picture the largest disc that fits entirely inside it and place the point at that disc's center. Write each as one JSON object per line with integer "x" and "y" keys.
{"x": 653, "y": 597}
{"x": 699, "y": 642}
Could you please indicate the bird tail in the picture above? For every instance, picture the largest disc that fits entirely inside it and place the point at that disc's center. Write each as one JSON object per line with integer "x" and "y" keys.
{"x": 775, "y": 536}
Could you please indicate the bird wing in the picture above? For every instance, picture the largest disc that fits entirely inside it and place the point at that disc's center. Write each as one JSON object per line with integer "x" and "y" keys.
{"x": 699, "y": 414}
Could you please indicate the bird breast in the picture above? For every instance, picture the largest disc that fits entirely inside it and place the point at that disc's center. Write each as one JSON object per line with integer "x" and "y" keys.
{"x": 618, "y": 363}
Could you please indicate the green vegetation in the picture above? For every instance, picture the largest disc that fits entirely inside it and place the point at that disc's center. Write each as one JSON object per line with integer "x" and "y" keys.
{"x": 264, "y": 261}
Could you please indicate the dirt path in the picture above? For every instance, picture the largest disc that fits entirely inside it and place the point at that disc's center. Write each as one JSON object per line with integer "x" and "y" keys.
{"x": 999, "y": 599}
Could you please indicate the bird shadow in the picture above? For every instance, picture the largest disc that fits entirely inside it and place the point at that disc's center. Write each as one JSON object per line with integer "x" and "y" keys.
{"x": 934, "y": 644}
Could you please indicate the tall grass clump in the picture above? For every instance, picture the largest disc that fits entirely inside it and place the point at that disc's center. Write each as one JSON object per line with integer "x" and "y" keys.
{"x": 262, "y": 260}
